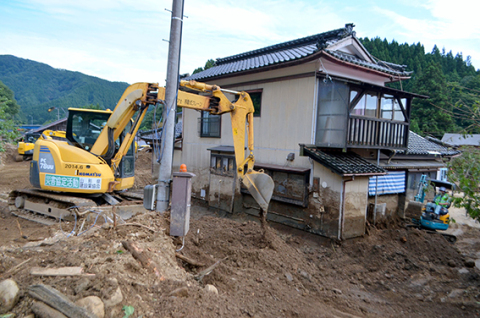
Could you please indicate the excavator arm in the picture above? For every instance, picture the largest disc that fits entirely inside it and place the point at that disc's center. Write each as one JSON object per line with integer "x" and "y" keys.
{"x": 259, "y": 184}
{"x": 139, "y": 96}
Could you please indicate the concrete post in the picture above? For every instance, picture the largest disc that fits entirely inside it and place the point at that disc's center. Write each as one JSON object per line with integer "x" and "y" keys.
{"x": 168, "y": 134}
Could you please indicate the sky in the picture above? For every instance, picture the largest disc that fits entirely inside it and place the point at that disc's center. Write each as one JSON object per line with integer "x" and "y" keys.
{"x": 127, "y": 40}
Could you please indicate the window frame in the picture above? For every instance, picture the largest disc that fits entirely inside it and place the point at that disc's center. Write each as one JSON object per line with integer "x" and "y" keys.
{"x": 202, "y": 128}
{"x": 258, "y": 108}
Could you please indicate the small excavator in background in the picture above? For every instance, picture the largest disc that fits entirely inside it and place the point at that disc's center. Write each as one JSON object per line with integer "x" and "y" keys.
{"x": 27, "y": 143}
{"x": 95, "y": 164}
{"x": 429, "y": 220}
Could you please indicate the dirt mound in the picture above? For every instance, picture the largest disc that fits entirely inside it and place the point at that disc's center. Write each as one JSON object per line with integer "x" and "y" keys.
{"x": 9, "y": 155}
{"x": 392, "y": 272}
{"x": 143, "y": 170}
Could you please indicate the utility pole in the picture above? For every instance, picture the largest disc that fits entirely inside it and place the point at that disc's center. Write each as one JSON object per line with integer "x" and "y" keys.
{"x": 170, "y": 109}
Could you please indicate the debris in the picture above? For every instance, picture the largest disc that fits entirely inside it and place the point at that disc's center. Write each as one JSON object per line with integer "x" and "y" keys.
{"x": 58, "y": 301}
{"x": 142, "y": 257}
{"x": 60, "y": 271}
{"x": 20, "y": 229}
{"x": 13, "y": 270}
{"x": 44, "y": 311}
{"x": 207, "y": 271}
{"x": 188, "y": 260}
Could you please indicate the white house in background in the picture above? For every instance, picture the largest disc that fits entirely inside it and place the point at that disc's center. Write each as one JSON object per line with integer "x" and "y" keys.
{"x": 457, "y": 140}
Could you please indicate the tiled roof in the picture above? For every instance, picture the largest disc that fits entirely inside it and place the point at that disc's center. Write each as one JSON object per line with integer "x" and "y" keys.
{"x": 389, "y": 68}
{"x": 294, "y": 50}
{"x": 417, "y": 145}
{"x": 345, "y": 164}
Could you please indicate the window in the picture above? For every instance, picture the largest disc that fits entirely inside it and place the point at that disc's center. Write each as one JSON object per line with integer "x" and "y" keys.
{"x": 390, "y": 108}
{"x": 210, "y": 125}
{"x": 256, "y": 97}
{"x": 366, "y": 106}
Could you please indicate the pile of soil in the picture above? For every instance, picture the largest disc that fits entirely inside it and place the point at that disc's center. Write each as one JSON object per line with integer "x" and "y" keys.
{"x": 392, "y": 272}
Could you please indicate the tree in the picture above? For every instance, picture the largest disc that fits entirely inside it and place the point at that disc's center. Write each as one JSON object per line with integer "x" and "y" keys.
{"x": 210, "y": 63}
{"x": 464, "y": 171}
{"x": 429, "y": 114}
{"x": 8, "y": 133}
{"x": 11, "y": 107}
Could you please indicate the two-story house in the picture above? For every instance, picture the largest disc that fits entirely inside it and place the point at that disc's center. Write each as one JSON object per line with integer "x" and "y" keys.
{"x": 321, "y": 110}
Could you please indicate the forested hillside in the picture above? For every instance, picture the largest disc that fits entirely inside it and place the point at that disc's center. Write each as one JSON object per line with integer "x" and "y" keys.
{"x": 38, "y": 86}
{"x": 451, "y": 82}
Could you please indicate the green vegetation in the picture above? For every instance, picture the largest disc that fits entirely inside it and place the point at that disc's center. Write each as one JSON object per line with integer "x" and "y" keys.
{"x": 210, "y": 63}
{"x": 8, "y": 109}
{"x": 464, "y": 171}
{"x": 39, "y": 87}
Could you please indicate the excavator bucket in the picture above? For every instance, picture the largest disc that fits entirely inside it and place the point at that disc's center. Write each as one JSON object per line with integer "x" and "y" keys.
{"x": 260, "y": 185}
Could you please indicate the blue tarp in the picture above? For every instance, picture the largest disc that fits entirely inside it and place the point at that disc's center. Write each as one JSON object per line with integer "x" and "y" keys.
{"x": 392, "y": 182}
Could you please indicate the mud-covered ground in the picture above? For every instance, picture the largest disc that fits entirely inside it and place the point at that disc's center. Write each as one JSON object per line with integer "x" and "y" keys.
{"x": 391, "y": 272}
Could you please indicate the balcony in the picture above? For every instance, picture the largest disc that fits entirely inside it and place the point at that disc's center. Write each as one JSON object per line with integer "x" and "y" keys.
{"x": 365, "y": 132}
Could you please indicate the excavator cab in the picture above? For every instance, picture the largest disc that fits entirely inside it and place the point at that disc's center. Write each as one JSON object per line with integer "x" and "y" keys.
{"x": 83, "y": 129}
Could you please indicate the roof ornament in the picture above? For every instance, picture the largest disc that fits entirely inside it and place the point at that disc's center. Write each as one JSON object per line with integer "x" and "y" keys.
{"x": 348, "y": 30}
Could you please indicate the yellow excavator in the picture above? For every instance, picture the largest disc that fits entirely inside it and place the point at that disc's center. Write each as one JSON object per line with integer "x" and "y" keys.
{"x": 96, "y": 162}
{"x": 27, "y": 143}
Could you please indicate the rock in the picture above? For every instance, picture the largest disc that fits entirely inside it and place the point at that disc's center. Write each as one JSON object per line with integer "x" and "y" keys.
{"x": 289, "y": 276}
{"x": 455, "y": 293}
{"x": 211, "y": 289}
{"x": 179, "y": 292}
{"x": 116, "y": 299}
{"x": 451, "y": 263}
{"x": 470, "y": 263}
{"x": 305, "y": 274}
{"x": 463, "y": 271}
{"x": 337, "y": 291}
{"x": 81, "y": 286}
{"x": 9, "y": 294}
{"x": 93, "y": 304}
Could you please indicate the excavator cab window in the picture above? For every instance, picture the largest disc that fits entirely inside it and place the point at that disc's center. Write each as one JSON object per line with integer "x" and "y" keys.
{"x": 31, "y": 138}
{"x": 84, "y": 127}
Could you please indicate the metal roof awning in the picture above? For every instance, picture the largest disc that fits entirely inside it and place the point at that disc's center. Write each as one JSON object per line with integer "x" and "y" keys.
{"x": 343, "y": 163}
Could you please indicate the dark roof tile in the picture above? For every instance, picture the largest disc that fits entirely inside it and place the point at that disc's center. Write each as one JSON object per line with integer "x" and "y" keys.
{"x": 417, "y": 145}
{"x": 343, "y": 163}
{"x": 294, "y": 50}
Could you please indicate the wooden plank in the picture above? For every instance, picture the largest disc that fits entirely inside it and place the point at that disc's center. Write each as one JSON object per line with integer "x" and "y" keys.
{"x": 59, "y": 271}
{"x": 58, "y": 301}
{"x": 41, "y": 310}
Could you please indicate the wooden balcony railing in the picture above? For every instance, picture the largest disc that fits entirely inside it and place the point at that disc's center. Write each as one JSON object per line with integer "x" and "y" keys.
{"x": 376, "y": 133}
